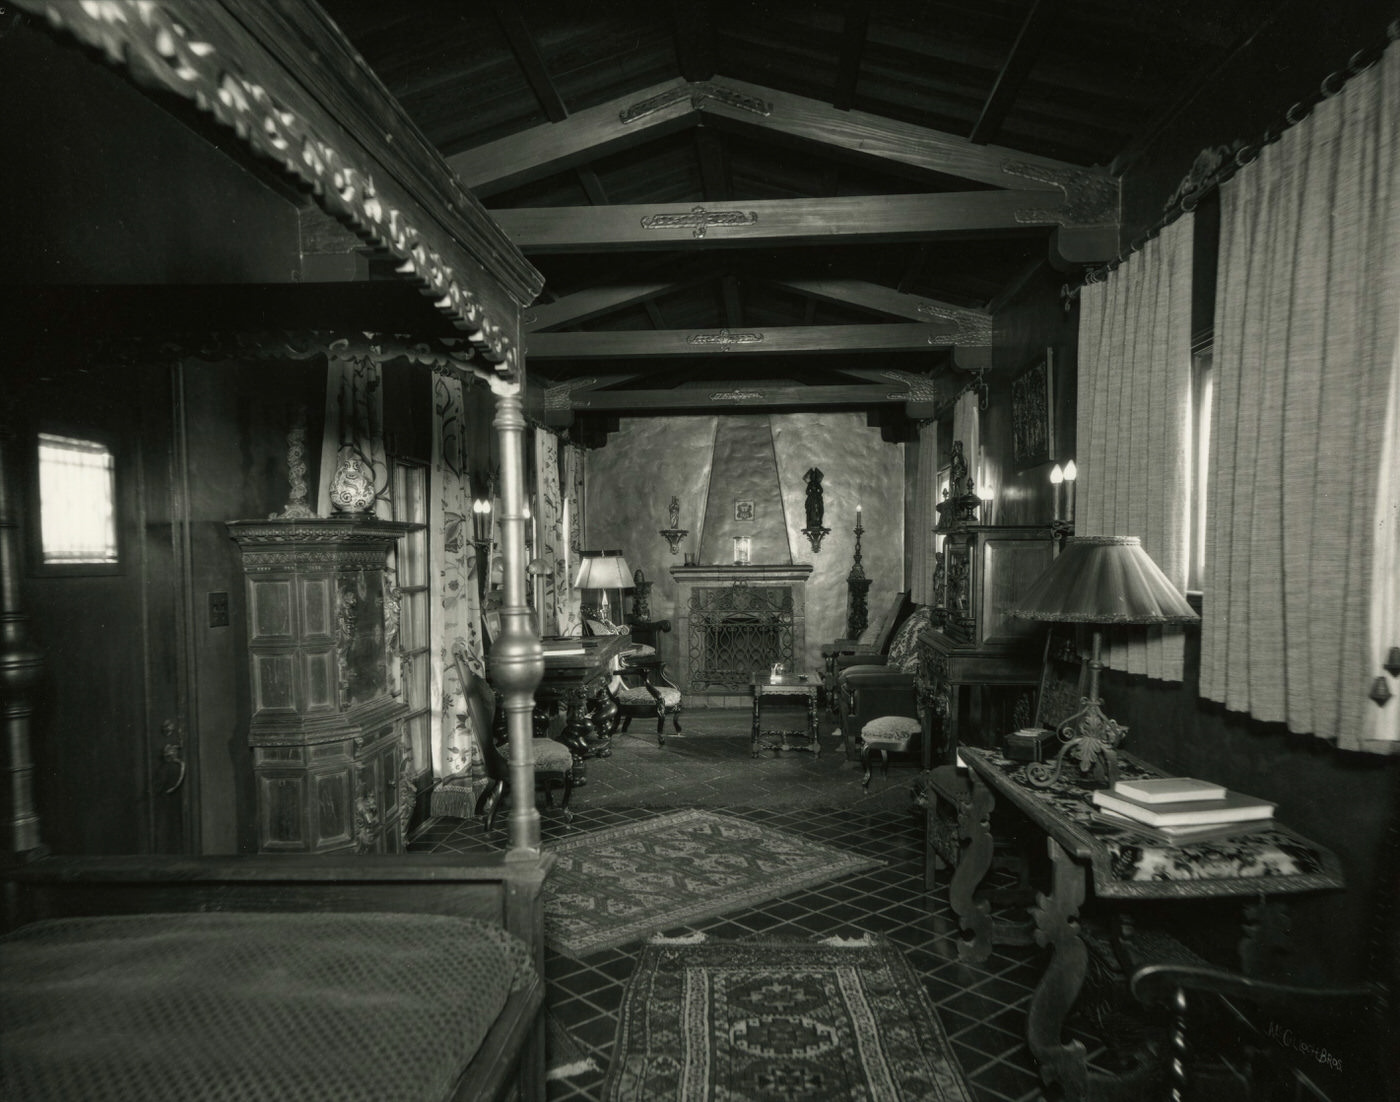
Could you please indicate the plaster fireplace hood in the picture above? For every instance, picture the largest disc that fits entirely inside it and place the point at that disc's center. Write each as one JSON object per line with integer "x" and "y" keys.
{"x": 735, "y": 618}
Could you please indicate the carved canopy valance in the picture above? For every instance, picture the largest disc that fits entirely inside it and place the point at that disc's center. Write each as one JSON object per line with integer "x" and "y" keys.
{"x": 284, "y": 79}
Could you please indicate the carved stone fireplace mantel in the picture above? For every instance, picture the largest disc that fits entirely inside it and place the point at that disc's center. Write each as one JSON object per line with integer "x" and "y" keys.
{"x": 733, "y": 620}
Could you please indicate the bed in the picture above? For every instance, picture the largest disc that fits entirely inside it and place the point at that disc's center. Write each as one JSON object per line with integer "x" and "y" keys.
{"x": 414, "y": 977}
{"x": 404, "y": 977}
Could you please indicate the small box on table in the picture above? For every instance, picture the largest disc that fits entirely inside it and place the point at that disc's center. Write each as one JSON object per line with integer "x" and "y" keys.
{"x": 1029, "y": 744}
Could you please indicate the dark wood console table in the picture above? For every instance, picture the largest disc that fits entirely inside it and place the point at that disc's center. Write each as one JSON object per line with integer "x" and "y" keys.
{"x": 570, "y": 680}
{"x": 1115, "y": 864}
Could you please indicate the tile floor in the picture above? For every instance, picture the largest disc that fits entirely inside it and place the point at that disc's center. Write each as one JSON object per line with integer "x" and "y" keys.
{"x": 983, "y": 1007}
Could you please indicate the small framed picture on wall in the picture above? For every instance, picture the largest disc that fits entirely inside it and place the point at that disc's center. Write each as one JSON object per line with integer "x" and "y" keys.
{"x": 1033, "y": 413}
{"x": 743, "y": 510}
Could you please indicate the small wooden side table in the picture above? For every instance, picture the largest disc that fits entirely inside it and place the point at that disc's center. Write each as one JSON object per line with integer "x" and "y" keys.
{"x": 788, "y": 692}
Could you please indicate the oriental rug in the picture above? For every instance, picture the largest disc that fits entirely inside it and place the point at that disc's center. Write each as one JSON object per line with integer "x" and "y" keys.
{"x": 612, "y": 886}
{"x": 780, "y": 1020}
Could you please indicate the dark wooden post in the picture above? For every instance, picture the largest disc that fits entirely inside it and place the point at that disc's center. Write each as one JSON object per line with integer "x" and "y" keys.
{"x": 20, "y": 665}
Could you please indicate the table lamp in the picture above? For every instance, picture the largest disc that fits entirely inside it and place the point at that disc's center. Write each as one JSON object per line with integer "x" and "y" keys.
{"x": 1098, "y": 580}
{"x": 603, "y": 570}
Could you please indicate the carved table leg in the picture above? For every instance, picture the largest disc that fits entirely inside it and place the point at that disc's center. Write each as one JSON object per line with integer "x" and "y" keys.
{"x": 1057, "y": 926}
{"x": 753, "y": 743}
{"x": 974, "y": 828}
{"x": 1264, "y": 948}
{"x": 812, "y": 723}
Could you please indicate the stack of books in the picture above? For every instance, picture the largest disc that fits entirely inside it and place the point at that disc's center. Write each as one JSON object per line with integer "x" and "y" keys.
{"x": 1178, "y": 810}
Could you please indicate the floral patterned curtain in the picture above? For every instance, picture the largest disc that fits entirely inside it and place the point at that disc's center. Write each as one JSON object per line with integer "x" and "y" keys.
{"x": 550, "y": 508}
{"x": 455, "y": 608}
{"x": 571, "y": 488}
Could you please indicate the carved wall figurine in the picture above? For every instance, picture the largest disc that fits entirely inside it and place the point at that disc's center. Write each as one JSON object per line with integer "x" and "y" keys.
{"x": 815, "y": 506}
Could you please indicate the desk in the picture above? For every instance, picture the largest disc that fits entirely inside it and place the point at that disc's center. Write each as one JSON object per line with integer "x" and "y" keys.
{"x": 788, "y": 691}
{"x": 571, "y": 679}
{"x": 1116, "y": 864}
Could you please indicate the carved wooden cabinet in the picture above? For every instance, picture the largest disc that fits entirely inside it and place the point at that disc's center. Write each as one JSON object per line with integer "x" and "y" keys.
{"x": 982, "y": 664}
{"x": 327, "y": 732}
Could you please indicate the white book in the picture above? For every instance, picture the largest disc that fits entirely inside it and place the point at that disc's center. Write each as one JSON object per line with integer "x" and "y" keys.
{"x": 1169, "y": 790}
{"x": 1233, "y": 807}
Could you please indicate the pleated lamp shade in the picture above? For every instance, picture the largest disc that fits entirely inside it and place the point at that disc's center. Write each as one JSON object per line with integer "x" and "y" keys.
{"x": 1104, "y": 580}
{"x": 603, "y": 570}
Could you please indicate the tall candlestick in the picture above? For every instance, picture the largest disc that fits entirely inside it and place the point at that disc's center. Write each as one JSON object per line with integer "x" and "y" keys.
{"x": 1057, "y": 478}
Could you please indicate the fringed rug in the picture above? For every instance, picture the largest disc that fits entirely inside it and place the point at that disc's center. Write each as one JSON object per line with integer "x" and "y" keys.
{"x": 564, "y": 1057}
{"x": 616, "y": 885}
{"x": 791, "y": 1021}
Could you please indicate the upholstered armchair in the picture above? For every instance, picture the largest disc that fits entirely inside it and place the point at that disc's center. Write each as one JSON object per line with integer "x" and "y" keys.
{"x": 882, "y": 685}
{"x": 874, "y": 642}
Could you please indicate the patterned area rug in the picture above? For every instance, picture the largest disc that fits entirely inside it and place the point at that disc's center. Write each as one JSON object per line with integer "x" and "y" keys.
{"x": 760, "y": 1020}
{"x": 613, "y": 886}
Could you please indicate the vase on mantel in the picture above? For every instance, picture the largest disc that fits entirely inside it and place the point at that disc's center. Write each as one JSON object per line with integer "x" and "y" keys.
{"x": 352, "y": 486}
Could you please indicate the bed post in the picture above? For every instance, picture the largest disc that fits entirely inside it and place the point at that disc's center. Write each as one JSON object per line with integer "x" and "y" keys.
{"x": 20, "y": 664}
{"x": 517, "y": 659}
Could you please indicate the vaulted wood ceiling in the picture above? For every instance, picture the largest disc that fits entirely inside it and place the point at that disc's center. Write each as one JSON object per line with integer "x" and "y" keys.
{"x": 787, "y": 202}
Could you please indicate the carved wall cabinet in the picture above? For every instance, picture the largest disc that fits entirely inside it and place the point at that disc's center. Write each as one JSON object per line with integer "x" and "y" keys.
{"x": 981, "y": 663}
{"x": 327, "y": 731}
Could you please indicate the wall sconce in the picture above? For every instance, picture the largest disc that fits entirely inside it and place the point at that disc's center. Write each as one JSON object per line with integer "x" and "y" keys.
{"x": 1062, "y": 524}
{"x": 675, "y": 533}
{"x": 742, "y": 549}
{"x": 481, "y": 523}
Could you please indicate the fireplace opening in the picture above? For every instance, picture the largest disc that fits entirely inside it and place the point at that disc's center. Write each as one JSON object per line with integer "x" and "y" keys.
{"x": 737, "y": 630}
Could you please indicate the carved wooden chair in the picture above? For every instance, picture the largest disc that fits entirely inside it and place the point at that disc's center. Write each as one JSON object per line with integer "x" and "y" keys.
{"x": 553, "y": 760}
{"x": 641, "y": 688}
{"x": 1233, "y": 1037}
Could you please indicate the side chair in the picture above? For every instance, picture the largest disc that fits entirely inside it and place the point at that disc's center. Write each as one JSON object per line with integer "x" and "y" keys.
{"x": 553, "y": 760}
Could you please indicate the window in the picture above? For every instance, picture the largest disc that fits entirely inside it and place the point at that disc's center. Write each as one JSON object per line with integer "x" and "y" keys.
{"x": 1202, "y": 396}
{"x": 77, "y": 502}
{"x": 410, "y": 503}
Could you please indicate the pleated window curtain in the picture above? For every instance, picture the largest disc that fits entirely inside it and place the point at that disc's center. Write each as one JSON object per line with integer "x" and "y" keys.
{"x": 1301, "y": 561}
{"x": 925, "y": 515}
{"x": 1133, "y": 426}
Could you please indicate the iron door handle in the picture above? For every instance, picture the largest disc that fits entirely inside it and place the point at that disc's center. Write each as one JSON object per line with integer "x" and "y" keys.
{"x": 173, "y": 751}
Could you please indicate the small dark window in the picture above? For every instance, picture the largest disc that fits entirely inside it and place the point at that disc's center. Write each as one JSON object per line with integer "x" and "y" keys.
{"x": 77, "y": 501}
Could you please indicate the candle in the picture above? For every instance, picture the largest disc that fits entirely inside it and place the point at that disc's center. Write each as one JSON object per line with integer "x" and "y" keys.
{"x": 1071, "y": 474}
{"x": 857, "y": 515}
{"x": 1057, "y": 478}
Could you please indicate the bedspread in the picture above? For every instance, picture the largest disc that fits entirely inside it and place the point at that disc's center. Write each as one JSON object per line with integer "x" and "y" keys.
{"x": 249, "y": 1006}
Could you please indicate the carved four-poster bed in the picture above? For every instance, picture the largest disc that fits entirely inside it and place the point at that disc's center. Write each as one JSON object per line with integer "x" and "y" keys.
{"x": 280, "y": 77}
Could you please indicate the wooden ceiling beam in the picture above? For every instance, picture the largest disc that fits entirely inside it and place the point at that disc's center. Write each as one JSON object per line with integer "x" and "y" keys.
{"x": 1090, "y": 195}
{"x": 853, "y": 35}
{"x": 832, "y": 220}
{"x": 714, "y": 165}
{"x": 967, "y": 327}
{"x": 511, "y": 17}
{"x": 1019, "y": 62}
{"x": 695, "y": 38}
{"x": 582, "y": 305}
{"x": 592, "y": 186}
{"x": 724, "y": 397}
{"x": 915, "y": 146}
{"x": 776, "y": 340}
{"x": 584, "y": 136}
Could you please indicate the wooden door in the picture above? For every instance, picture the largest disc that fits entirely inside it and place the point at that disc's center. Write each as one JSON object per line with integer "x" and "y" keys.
{"x": 111, "y": 746}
